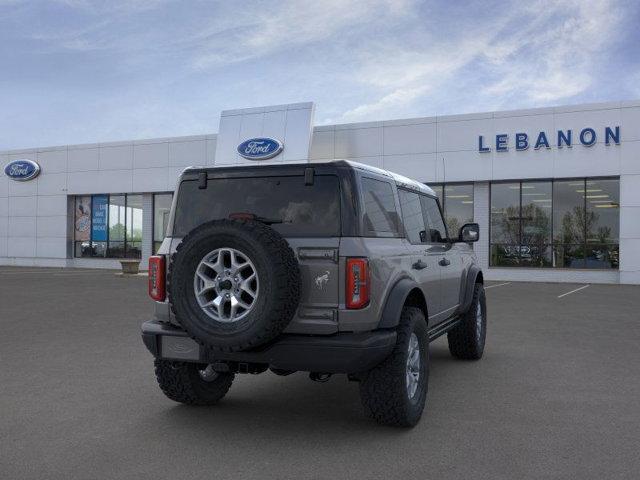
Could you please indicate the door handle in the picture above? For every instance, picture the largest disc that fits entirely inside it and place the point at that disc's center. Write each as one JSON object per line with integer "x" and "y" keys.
{"x": 444, "y": 262}
{"x": 419, "y": 265}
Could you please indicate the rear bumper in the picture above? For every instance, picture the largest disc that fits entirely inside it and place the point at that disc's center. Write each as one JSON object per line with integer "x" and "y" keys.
{"x": 339, "y": 353}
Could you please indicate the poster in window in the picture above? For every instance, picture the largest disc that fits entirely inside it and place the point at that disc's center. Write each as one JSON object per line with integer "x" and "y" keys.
{"x": 83, "y": 219}
{"x": 99, "y": 218}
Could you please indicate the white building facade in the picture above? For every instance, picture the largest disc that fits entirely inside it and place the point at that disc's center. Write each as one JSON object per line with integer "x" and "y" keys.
{"x": 556, "y": 191}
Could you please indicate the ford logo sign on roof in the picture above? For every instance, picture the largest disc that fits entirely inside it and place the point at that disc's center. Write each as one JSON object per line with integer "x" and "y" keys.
{"x": 22, "y": 170}
{"x": 260, "y": 148}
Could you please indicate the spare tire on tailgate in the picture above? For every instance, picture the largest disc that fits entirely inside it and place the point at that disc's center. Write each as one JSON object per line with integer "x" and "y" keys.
{"x": 234, "y": 284}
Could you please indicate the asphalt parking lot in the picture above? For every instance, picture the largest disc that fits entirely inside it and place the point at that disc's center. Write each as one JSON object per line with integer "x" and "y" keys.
{"x": 556, "y": 395}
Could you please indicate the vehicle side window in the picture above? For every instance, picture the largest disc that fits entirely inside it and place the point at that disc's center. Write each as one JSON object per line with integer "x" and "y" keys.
{"x": 436, "y": 231}
{"x": 380, "y": 214}
{"x": 412, "y": 216}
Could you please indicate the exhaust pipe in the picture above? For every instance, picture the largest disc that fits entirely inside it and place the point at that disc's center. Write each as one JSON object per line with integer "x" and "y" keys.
{"x": 320, "y": 377}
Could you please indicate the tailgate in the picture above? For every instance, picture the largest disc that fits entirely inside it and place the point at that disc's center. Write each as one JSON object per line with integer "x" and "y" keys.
{"x": 320, "y": 283}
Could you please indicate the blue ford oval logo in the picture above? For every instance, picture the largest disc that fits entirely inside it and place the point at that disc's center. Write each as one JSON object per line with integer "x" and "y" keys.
{"x": 260, "y": 148}
{"x": 22, "y": 170}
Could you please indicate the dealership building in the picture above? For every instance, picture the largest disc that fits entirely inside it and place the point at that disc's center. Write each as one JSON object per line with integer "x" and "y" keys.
{"x": 556, "y": 190}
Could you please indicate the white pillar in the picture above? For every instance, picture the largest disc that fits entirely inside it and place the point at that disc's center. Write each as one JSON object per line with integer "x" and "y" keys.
{"x": 629, "y": 229}
{"x": 147, "y": 229}
{"x": 481, "y": 215}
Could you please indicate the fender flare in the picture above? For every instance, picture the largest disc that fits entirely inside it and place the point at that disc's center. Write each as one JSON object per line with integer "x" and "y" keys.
{"x": 467, "y": 294}
{"x": 395, "y": 301}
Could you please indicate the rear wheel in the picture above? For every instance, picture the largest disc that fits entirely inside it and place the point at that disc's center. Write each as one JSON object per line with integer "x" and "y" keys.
{"x": 466, "y": 340}
{"x": 394, "y": 392}
{"x": 192, "y": 383}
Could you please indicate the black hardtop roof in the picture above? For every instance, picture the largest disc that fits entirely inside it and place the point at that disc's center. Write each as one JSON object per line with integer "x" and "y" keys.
{"x": 299, "y": 168}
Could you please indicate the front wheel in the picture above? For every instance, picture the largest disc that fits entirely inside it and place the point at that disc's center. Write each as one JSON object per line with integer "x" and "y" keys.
{"x": 466, "y": 340}
{"x": 192, "y": 383}
{"x": 394, "y": 392}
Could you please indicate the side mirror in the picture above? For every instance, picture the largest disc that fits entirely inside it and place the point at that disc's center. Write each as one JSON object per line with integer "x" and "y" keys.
{"x": 470, "y": 232}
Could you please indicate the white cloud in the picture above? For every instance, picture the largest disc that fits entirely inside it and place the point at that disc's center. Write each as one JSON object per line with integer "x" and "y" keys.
{"x": 397, "y": 98}
{"x": 554, "y": 63}
{"x": 254, "y": 33}
{"x": 406, "y": 76}
{"x": 159, "y": 68}
{"x": 543, "y": 52}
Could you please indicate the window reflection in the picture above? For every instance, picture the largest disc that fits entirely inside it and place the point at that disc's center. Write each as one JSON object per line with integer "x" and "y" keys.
{"x": 603, "y": 211}
{"x": 82, "y": 226}
{"x": 603, "y": 223}
{"x": 134, "y": 226}
{"x": 161, "y": 210}
{"x": 458, "y": 206}
{"x": 379, "y": 206}
{"x": 438, "y": 189}
{"x": 456, "y": 200}
{"x": 108, "y": 226}
{"x": 564, "y": 224}
{"x": 117, "y": 218}
{"x": 412, "y": 216}
{"x": 436, "y": 229}
{"x": 536, "y": 200}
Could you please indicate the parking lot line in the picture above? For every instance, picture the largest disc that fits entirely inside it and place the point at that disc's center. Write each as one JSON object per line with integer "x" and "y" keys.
{"x": 497, "y": 285}
{"x": 573, "y": 291}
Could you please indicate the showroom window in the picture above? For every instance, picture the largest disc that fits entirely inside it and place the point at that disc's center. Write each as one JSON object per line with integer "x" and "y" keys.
{"x": 456, "y": 200}
{"x": 108, "y": 226}
{"x": 562, "y": 224}
{"x": 161, "y": 210}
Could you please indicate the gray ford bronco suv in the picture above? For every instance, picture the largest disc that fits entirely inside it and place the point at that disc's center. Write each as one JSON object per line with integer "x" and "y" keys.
{"x": 324, "y": 268}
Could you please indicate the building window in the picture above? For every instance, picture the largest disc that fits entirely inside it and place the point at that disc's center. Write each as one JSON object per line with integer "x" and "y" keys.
{"x": 133, "y": 229}
{"x": 161, "y": 210}
{"x": 117, "y": 220}
{"x": 108, "y": 226}
{"x": 82, "y": 227}
{"x": 563, "y": 224}
{"x": 457, "y": 204}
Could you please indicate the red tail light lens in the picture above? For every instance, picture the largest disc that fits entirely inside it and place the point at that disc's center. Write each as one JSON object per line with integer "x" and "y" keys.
{"x": 357, "y": 283}
{"x": 157, "y": 285}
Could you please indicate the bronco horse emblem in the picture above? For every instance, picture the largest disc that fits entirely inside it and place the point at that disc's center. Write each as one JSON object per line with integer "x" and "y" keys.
{"x": 321, "y": 280}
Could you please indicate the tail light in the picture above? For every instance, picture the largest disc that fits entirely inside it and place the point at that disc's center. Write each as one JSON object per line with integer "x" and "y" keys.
{"x": 157, "y": 286}
{"x": 357, "y": 283}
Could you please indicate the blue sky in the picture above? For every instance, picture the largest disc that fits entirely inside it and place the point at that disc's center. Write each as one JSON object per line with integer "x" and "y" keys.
{"x": 76, "y": 71}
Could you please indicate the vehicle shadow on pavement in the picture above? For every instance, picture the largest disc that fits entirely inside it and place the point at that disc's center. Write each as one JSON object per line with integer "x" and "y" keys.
{"x": 291, "y": 405}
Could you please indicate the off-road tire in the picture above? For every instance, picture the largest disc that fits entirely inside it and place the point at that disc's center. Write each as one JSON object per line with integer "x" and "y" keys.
{"x": 278, "y": 273}
{"x": 181, "y": 382}
{"x": 466, "y": 341}
{"x": 383, "y": 390}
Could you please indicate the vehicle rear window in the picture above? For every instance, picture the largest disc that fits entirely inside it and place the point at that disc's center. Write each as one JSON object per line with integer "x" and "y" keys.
{"x": 285, "y": 203}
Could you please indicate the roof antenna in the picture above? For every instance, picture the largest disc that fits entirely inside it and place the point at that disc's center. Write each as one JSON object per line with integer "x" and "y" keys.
{"x": 444, "y": 171}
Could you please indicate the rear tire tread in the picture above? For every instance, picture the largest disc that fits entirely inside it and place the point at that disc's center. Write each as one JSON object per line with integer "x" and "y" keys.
{"x": 383, "y": 390}
{"x": 462, "y": 339}
{"x": 179, "y": 381}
